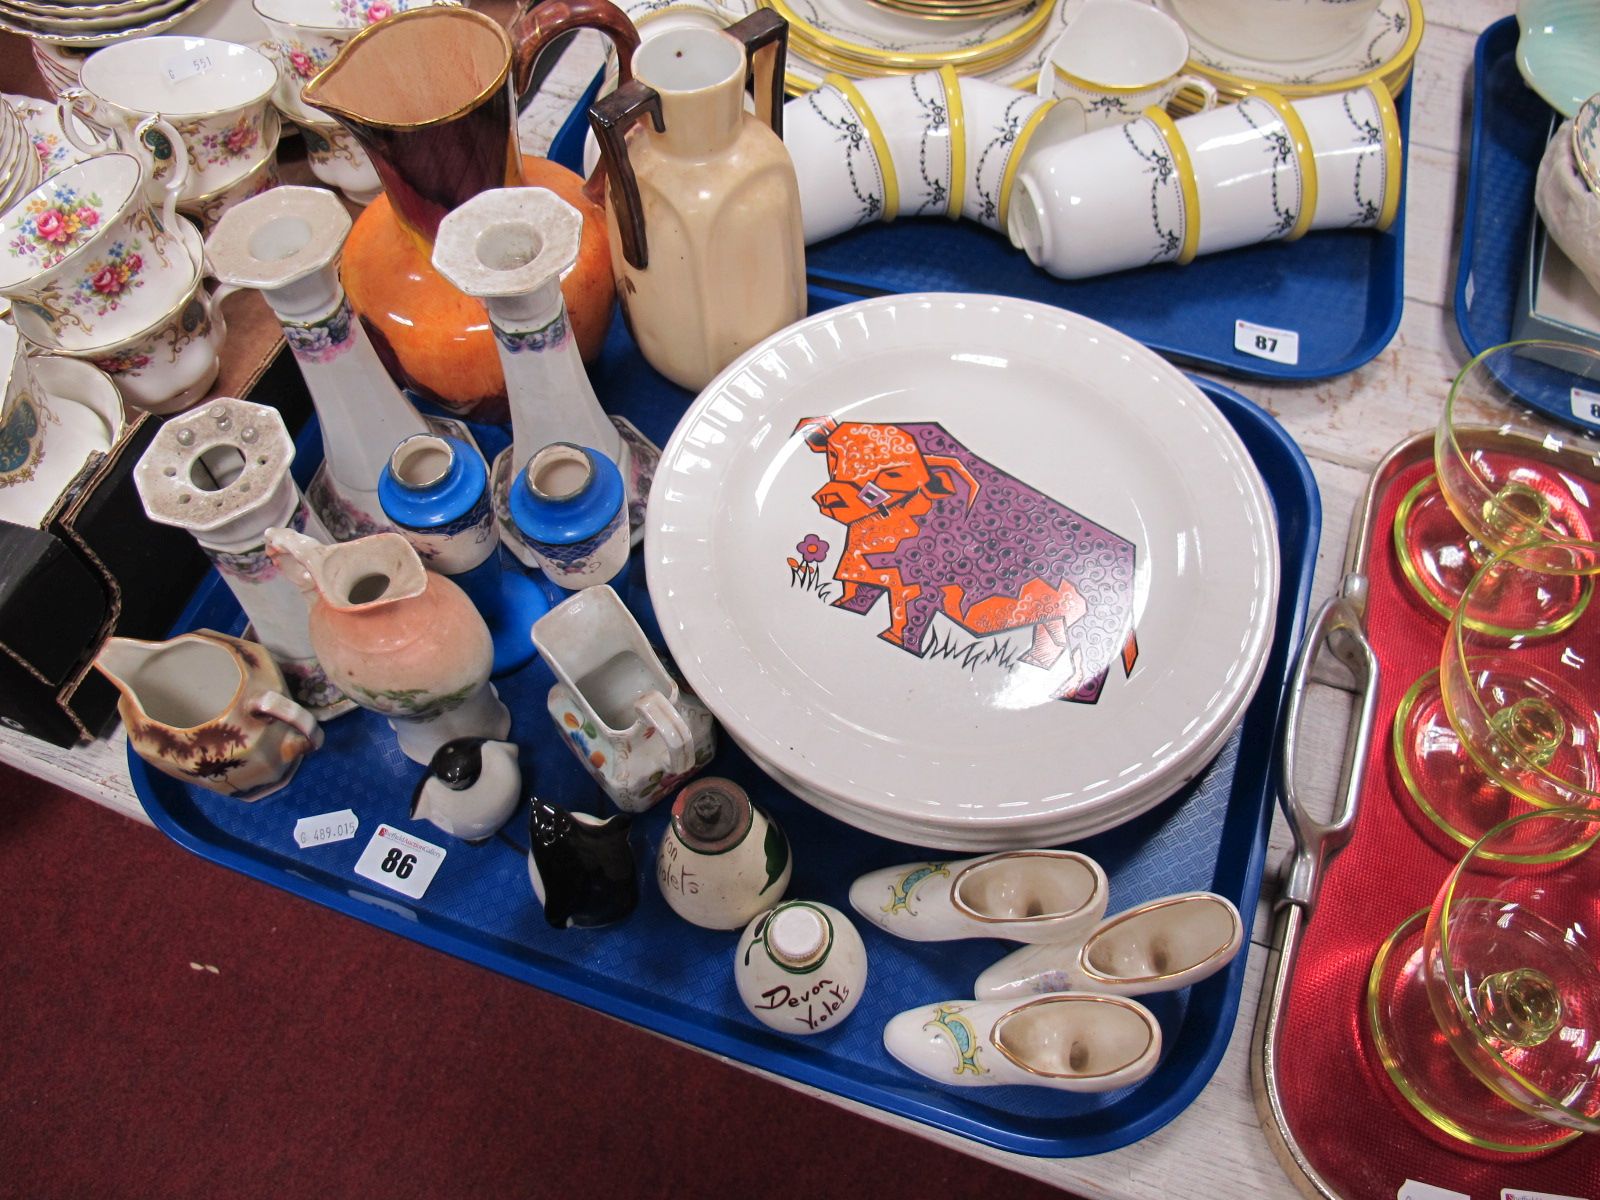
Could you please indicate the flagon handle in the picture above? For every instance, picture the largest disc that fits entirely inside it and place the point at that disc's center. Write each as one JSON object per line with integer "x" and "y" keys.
{"x": 765, "y": 38}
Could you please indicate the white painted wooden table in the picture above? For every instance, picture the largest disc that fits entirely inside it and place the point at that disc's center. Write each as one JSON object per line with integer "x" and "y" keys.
{"x": 1215, "y": 1149}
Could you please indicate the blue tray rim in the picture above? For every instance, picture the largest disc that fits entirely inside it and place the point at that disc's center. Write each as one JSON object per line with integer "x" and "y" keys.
{"x": 1291, "y": 472}
{"x": 1469, "y": 214}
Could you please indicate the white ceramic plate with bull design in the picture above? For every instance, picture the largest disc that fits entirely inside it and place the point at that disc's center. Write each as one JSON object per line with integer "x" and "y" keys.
{"x": 967, "y": 565}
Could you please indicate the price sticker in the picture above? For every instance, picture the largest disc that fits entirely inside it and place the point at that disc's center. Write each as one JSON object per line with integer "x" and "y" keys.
{"x": 1263, "y": 341}
{"x": 326, "y": 829}
{"x": 1412, "y": 1190}
{"x": 1586, "y": 407}
{"x": 1524, "y": 1194}
{"x": 179, "y": 67}
{"x": 399, "y": 861}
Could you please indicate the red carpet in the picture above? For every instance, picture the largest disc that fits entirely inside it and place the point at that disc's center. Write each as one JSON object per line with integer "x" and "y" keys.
{"x": 170, "y": 1029}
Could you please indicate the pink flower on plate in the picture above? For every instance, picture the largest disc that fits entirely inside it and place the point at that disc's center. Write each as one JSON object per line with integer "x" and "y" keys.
{"x": 52, "y": 226}
{"x": 240, "y": 138}
{"x": 132, "y": 264}
{"x": 302, "y": 64}
{"x": 87, "y": 217}
{"x": 108, "y": 281}
{"x": 378, "y": 11}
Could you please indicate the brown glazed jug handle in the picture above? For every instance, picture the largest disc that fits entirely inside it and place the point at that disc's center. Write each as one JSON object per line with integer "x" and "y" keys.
{"x": 765, "y": 37}
{"x": 539, "y": 22}
{"x": 611, "y": 117}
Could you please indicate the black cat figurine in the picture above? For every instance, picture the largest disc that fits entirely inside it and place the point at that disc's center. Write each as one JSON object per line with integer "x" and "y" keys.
{"x": 582, "y": 867}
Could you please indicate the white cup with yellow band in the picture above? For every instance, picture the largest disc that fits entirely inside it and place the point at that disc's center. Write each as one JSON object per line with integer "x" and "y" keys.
{"x": 843, "y": 180}
{"x": 1355, "y": 139}
{"x": 1001, "y": 125}
{"x": 923, "y": 127}
{"x": 1255, "y": 177}
{"x": 1117, "y": 58}
{"x": 1112, "y": 199}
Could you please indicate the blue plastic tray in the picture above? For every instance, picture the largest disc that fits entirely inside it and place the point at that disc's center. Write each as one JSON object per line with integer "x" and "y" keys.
{"x": 1510, "y": 127}
{"x": 1341, "y": 290}
{"x": 658, "y": 972}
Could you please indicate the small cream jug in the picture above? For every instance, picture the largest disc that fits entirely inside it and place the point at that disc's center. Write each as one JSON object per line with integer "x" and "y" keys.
{"x": 210, "y": 710}
{"x": 707, "y": 243}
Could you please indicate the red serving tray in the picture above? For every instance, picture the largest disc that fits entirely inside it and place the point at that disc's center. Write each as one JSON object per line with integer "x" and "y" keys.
{"x": 1338, "y": 1103}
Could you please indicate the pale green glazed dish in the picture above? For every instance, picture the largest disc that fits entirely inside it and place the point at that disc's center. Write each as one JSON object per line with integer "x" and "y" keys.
{"x": 1559, "y": 50}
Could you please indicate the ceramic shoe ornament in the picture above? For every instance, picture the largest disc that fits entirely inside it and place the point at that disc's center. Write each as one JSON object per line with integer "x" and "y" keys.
{"x": 800, "y": 968}
{"x": 582, "y": 868}
{"x": 472, "y": 787}
{"x": 1156, "y": 947}
{"x": 396, "y": 638}
{"x": 722, "y": 860}
{"x": 209, "y": 709}
{"x": 436, "y": 492}
{"x": 635, "y": 728}
{"x": 1019, "y": 895}
{"x": 1070, "y": 1042}
{"x": 510, "y": 247}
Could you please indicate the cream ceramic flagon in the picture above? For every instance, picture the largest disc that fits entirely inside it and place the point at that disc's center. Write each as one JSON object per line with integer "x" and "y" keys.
{"x": 634, "y": 728}
{"x": 396, "y": 638}
{"x": 210, "y": 710}
{"x": 1158, "y": 946}
{"x": 1020, "y": 895}
{"x": 707, "y": 241}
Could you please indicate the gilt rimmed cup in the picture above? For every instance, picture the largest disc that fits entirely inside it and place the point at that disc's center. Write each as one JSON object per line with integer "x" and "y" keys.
{"x": 1117, "y": 58}
{"x": 926, "y": 141}
{"x": 216, "y": 95}
{"x": 1001, "y": 123}
{"x": 85, "y": 261}
{"x": 1360, "y": 156}
{"x": 207, "y": 210}
{"x": 843, "y": 180}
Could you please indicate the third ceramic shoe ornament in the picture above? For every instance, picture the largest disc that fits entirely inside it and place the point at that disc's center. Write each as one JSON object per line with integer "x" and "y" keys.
{"x": 286, "y": 244}
{"x": 509, "y": 247}
{"x": 1020, "y": 895}
{"x": 1154, "y": 947}
{"x": 436, "y": 492}
{"x": 1070, "y": 1042}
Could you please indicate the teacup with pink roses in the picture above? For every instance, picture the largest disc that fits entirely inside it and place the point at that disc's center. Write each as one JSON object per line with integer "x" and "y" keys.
{"x": 216, "y": 95}
{"x": 84, "y": 259}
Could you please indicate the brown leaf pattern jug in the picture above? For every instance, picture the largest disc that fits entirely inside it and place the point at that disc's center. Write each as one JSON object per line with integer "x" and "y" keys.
{"x": 704, "y": 209}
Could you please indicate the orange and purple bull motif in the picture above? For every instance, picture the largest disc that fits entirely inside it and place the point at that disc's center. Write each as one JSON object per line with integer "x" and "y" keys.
{"x": 937, "y": 529}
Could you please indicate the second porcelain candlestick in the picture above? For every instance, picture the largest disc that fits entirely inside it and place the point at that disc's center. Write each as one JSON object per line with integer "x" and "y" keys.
{"x": 286, "y": 243}
{"x": 509, "y": 247}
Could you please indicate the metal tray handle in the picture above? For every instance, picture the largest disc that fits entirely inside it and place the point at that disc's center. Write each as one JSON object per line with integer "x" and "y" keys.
{"x": 1338, "y": 629}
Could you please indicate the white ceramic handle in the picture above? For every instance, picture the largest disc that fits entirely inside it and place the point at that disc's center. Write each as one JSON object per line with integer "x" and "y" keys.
{"x": 180, "y": 166}
{"x": 280, "y": 708}
{"x": 214, "y": 306}
{"x": 672, "y": 729}
{"x": 67, "y": 109}
{"x": 1207, "y": 90}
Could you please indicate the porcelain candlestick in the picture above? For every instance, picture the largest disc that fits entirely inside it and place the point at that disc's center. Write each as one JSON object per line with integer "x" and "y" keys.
{"x": 286, "y": 244}
{"x": 509, "y": 247}
{"x": 436, "y": 492}
{"x": 222, "y": 473}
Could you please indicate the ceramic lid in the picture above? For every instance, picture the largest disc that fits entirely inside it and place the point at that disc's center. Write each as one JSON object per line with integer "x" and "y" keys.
{"x": 965, "y": 562}
{"x": 278, "y": 237}
{"x": 213, "y": 464}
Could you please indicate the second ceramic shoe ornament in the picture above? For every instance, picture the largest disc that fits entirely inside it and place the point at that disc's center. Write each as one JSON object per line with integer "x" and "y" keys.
{"x": 1019, "y": 895}
{"x": 1070, "y": 1042}
{"x": 1155, "y": 947}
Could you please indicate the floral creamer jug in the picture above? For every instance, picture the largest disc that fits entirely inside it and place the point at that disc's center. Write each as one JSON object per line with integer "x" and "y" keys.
{"x": 210, "y": 710}
{"x": 707, "y": 243}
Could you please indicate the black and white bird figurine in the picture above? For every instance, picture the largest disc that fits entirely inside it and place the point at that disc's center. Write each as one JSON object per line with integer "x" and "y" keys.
{"x": 472, "y": 787}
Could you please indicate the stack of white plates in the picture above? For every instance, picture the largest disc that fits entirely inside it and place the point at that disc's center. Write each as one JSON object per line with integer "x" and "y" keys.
{"x": 965, "y": 571}
{"x": 71, "y": 23}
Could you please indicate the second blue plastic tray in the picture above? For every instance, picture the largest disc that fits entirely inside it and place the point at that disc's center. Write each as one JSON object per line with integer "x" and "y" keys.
{"x": 658, "y": 972}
